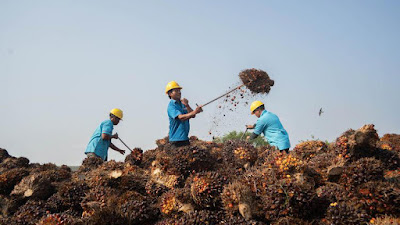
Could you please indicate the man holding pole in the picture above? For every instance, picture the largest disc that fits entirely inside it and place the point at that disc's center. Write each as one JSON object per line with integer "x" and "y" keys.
{"x": 101, "y": 138}
{"x": 179, "y": 113}
{"x": 270, "y": 125}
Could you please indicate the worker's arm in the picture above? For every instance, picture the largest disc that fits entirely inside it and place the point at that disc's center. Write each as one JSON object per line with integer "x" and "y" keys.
{"x": 252, "y": 136}
{"x": 117, "y": 149}
{"x": 191, "y": 114}
{"x": 185, "y": 102}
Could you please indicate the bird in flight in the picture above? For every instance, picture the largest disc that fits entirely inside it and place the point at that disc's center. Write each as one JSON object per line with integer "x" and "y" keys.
{"x": 320, "y": 111}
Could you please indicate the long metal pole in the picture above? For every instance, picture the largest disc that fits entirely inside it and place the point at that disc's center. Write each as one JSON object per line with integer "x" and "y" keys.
{"x": 124, "y": 144}
{"x": 223, "y": 95}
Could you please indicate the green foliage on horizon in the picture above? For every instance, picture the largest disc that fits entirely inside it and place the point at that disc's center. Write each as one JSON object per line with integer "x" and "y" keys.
{"x": 234, "y": 135}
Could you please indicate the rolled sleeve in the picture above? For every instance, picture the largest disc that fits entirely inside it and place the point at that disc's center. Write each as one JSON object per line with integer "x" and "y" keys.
{"x": 107, "y": 128}
{"x": 259, "y": 128}
{"x": 173, "y": 112}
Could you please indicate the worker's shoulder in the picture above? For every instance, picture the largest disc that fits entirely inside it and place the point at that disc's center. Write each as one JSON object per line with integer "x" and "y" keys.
{"x": 107, "y": 122}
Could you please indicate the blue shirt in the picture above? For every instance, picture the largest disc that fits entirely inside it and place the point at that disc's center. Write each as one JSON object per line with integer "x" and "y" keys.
{"x": 96, "y": 144}
{"x": 178, "y": 130}
{"x": 270, "y": 125}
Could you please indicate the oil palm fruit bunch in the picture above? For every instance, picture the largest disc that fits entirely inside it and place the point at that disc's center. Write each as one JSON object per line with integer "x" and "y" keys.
{"x": 10, "y": 178}
{"x": 309, "y": 149}
{"x": 393, "y": 140}
{"x": 206, "y": 188}
{"x": 362, "y": 171}
{"x": 257, "y": 81}
{"x": 135, "y": 157}
{"x": 346, "y": 213}
{"x": 237, "y": 198}
{"x": 202, "y": 217}
{"x": 176, "y": 201}
{"x": 35, "y": 186}
{"x": 58, "y": 218}
{"x": 239, "y": 153}
{"x": 29, "y": 213}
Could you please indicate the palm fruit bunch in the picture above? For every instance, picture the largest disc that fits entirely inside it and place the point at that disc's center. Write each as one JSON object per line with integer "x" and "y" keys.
{"x": 324, "y": 163}
{"x": 136, "y": 157}
{"x": 258, "y": 179}
{"x": 106, "y": 215}
{"x": 148, "y": 157}
{"x": 389, "y": 158}
{"x": 206, "y": 188}
{"x": 10, "y": 204}
{"x": 290, "y": 220}
{"x": 239, "y": 154}
{"x": 58, "y": 218}
{"x": 284, "y": 164}
{"x": 161, "y": 175}
{"x": 308, "y": 149}
{"x": 10, "y": 178}
{"x": 13, "y": 162}
{"x": 356, "y": 144}
{"x": 175, "y": 201}
{"x": 257, "y": 81}
{"x": 167, "y": 221}
{"x": 37, "y": 186}
{"x": 392, "y": 176}
{"x": 154, "y": 189}
{"x": 329, "y": 193}
{"x": 137, "y": 211}
{"x": 379, "y": 198}
{"x": 345, "y": 213}
{"x": 238, "y": 220}
{"x": 237, "y": 198}
{"x": 390, "y": 142}
{"x": 95, "y": 199}
{"x": 90, "y": 164}
{"x": 287, "y": 198}
{"x": 202, "y": 217}
{"x": 29, "y": 213}
{"x": 3, "y": 155}
{"x": 362, "y": 171}
{"x": 385, "y": 220}
{"x": 72, "y": 194}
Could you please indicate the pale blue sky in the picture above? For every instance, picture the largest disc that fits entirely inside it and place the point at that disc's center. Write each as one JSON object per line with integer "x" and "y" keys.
{"x": 65, "y": 64}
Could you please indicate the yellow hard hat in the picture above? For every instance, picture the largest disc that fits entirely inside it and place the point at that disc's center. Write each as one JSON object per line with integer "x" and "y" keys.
{"x": 117, "y": 112}
{"x": 172, "y": 85}
{"x": 255, "y": 105}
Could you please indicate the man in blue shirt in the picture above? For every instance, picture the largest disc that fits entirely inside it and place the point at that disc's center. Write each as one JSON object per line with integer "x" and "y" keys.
{"x": 270, "y": 125}
{"x": 179, "y": 113}
{"x": 101, "y": 138}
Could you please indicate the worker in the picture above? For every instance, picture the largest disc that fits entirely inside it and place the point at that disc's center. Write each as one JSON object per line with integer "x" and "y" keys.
{"x": 179, "y": 113}
{"x": 270, "y": 125}
{"x": 101, "y": 138}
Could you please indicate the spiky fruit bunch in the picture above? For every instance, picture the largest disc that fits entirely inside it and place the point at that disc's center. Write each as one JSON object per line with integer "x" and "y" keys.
{"x": 239, "y": 153}
{"x": 321, "y": 163}
{"x": 95, "y": 199}
{"x": 136, "y": 157}
{"x": 148, "y": 157}
{"x": 106, "y": 215}
{"x": 362, "y": 171}
{"x": 175, "y": 201}
{"x": 390, "y": 159}
{"x": 90, "y": 164}
{"x": 379, "y": 198}
{"x": 286, "y": 198}
{"x": 168, "y": 221}
{"x": 72, "y": 194}
{"x": 3, "y": 155}
{"x": 331, "y": 192}
{"x": 392, "y": 176}
{"x": 356, "y": 144}
{"x": 206, "y": 188}
{"x": 346, "y": 213}
{"x": 58, "y": 218}
{"x": 162, "y": 142}
{"x": 202, "y": 217}
{"x": 30, "y": 213}
{"x": 284, "y": 164}
{"x": 10, "y": 204}
{"x": 154, "y": 189}
{"x": 12, "y": 162}
{"x": 138, "y": 211}
{"x": 35, "y": 186}
{"x": 393, "y": 140}
{"x": 385, "y": 220}
{"x": 290, "y": 220}
{"x": 237, "y": 198}
{"x": 257, "y": 81}
{"x": 309, "y": 149}
{"x": 238, "y": 220}
{"x": 258, "y": 179}
{"x": 10, "y": 178}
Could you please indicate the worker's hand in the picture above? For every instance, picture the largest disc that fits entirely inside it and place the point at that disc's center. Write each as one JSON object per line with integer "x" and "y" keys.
{"x": 185, "y": 101}
{"x": 122, "y": 151}
{"x": 250, "y": 126}
{"x": 198, "y": 109}
{"x": 248, "y": 138}
{"x": 115, "y": 136}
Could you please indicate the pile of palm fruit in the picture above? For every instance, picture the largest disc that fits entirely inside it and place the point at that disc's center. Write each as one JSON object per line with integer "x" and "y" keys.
{"x": 353, "y": 180}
